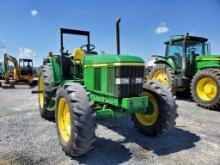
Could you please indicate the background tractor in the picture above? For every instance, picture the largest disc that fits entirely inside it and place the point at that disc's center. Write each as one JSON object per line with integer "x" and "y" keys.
{"x": 188, "y": 64}
{"x": 78, "y": 87}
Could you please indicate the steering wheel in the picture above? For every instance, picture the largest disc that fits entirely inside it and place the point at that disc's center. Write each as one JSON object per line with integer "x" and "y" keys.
{"x": 87, "y": 47}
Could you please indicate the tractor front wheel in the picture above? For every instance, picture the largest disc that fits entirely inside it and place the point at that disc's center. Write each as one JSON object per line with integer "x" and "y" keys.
{"x": 160, "y": 113}
{"x": 205, "y": 88}
{"x": 75, "y": 120}
{"x": 163, "y": 74}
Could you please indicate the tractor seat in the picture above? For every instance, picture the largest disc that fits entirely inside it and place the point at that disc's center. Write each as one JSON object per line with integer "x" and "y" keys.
{"x": 78, "y": 54}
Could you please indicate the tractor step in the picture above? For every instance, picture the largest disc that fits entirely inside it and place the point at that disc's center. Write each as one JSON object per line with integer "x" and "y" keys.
{"x": 36, "y": 92}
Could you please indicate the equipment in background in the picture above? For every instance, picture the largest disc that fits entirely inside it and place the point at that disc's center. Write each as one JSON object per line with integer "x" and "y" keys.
{"x": 22, "y": 73}
{"x": 2, "y": 72}
{"x": 188, "y": 64}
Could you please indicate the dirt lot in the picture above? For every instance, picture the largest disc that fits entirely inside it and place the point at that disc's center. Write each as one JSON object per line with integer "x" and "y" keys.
{"x": 26, "y": 138}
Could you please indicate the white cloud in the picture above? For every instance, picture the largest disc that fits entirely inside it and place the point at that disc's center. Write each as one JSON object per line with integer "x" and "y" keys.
{"x": 26, "y": 53}
{"x": 34, "y": 12}
{"x": 162, "y": 28}
{"x": 2, "y": 44}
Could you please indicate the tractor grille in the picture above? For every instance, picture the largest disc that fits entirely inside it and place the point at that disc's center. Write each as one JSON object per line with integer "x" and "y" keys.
{"x": 111, "y": 80}
{"x": 133, "y": 88}
{"x": 97, "y": 79}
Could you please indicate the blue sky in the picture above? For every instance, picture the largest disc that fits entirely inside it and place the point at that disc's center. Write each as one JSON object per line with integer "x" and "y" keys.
{"x": 31, "y": 28}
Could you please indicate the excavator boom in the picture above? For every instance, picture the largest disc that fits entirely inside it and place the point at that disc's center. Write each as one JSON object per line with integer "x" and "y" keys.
{"x": 17, "y": 73}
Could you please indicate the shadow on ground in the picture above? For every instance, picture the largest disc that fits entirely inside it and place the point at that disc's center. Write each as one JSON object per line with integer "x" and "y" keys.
{"x": 112, "y": 152}
{"x": 106, "y": 152}
{"x": 185, "y": 95}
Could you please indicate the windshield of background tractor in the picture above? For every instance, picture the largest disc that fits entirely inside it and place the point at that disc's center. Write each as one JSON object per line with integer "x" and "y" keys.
{"x": 174, "y": 50}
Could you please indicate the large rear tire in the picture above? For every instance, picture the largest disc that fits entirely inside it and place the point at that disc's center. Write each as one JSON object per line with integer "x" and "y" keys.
{"x": 75, "y": 120}
{"x": 205, "y": 88}
{"x": 165, "y": 75}
{"x": 161, "y": 112}
{"x": 48, "y": 91}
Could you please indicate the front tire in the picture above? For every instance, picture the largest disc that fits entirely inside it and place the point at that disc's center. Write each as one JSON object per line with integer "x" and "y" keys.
{"x": 75, "y": 120}
{"x": 163, "y": 74}
{"x": 161, "y": 112}
{"x": 205, "y": 88}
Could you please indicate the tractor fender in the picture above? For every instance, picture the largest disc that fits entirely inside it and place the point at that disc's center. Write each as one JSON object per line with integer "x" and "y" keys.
{"x": 54, "y": 65}
{"x": 164, "y": 60}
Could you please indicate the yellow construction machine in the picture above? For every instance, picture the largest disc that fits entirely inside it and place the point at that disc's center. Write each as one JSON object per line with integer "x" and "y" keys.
{"x": 23, "y": 72}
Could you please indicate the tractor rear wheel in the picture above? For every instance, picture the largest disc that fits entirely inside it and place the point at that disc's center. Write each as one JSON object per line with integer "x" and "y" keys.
{"x": 205, "y": 88}
{"x": 165, "y": 75}
{"x": 75, "y": 120}
{"x": 47, "y": 91}
{"x": 161, "y": 112}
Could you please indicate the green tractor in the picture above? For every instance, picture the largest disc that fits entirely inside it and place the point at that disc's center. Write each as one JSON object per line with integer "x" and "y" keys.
{"x": 187, "y": 64}
{"x": 77, "y": 88}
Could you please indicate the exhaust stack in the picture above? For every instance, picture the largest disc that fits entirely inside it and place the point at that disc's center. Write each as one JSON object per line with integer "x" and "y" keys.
{"x": 118, "y": 36}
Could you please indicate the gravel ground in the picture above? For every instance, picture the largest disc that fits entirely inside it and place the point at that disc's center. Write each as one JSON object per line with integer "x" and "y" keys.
{"x": 26, "y": 138}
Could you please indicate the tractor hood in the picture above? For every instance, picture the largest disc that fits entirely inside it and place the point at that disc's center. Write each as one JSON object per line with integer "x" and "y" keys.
{"x": 112, "y": 75}
{"x": 112, "y": 59}
{"x": 208, "y": 58}
{"x": 208, "y": 61}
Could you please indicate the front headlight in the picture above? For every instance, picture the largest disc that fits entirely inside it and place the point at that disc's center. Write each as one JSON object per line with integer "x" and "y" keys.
{"x": 138, "y": 80}
{"x": 122, "y": 81}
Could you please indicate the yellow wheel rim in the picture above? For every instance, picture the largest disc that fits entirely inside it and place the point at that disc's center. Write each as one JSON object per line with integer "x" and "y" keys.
{"x": 41, "y": 88}
{"x": 206, "y": 89}
{"x": 161, "y": 76}
{"x": 150, "y": 116}
{"x": 64, "y": 122}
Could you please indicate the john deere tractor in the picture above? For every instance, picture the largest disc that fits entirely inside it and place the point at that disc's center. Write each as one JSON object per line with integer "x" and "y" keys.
{"x": 188, "y": 64}
{"x": 79, "y": 87}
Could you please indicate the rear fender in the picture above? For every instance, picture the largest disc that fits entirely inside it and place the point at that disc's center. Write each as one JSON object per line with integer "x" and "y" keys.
{"x": 55, "y": 66}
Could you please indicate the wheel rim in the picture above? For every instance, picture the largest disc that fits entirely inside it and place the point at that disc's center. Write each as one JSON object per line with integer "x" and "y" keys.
{"x": 150, "y": 116}
{"x": 64, "y": 123}
{"x": 206, "y": 89}
{"x": 41, "y": 88}
{"x": 161, "y": 76}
